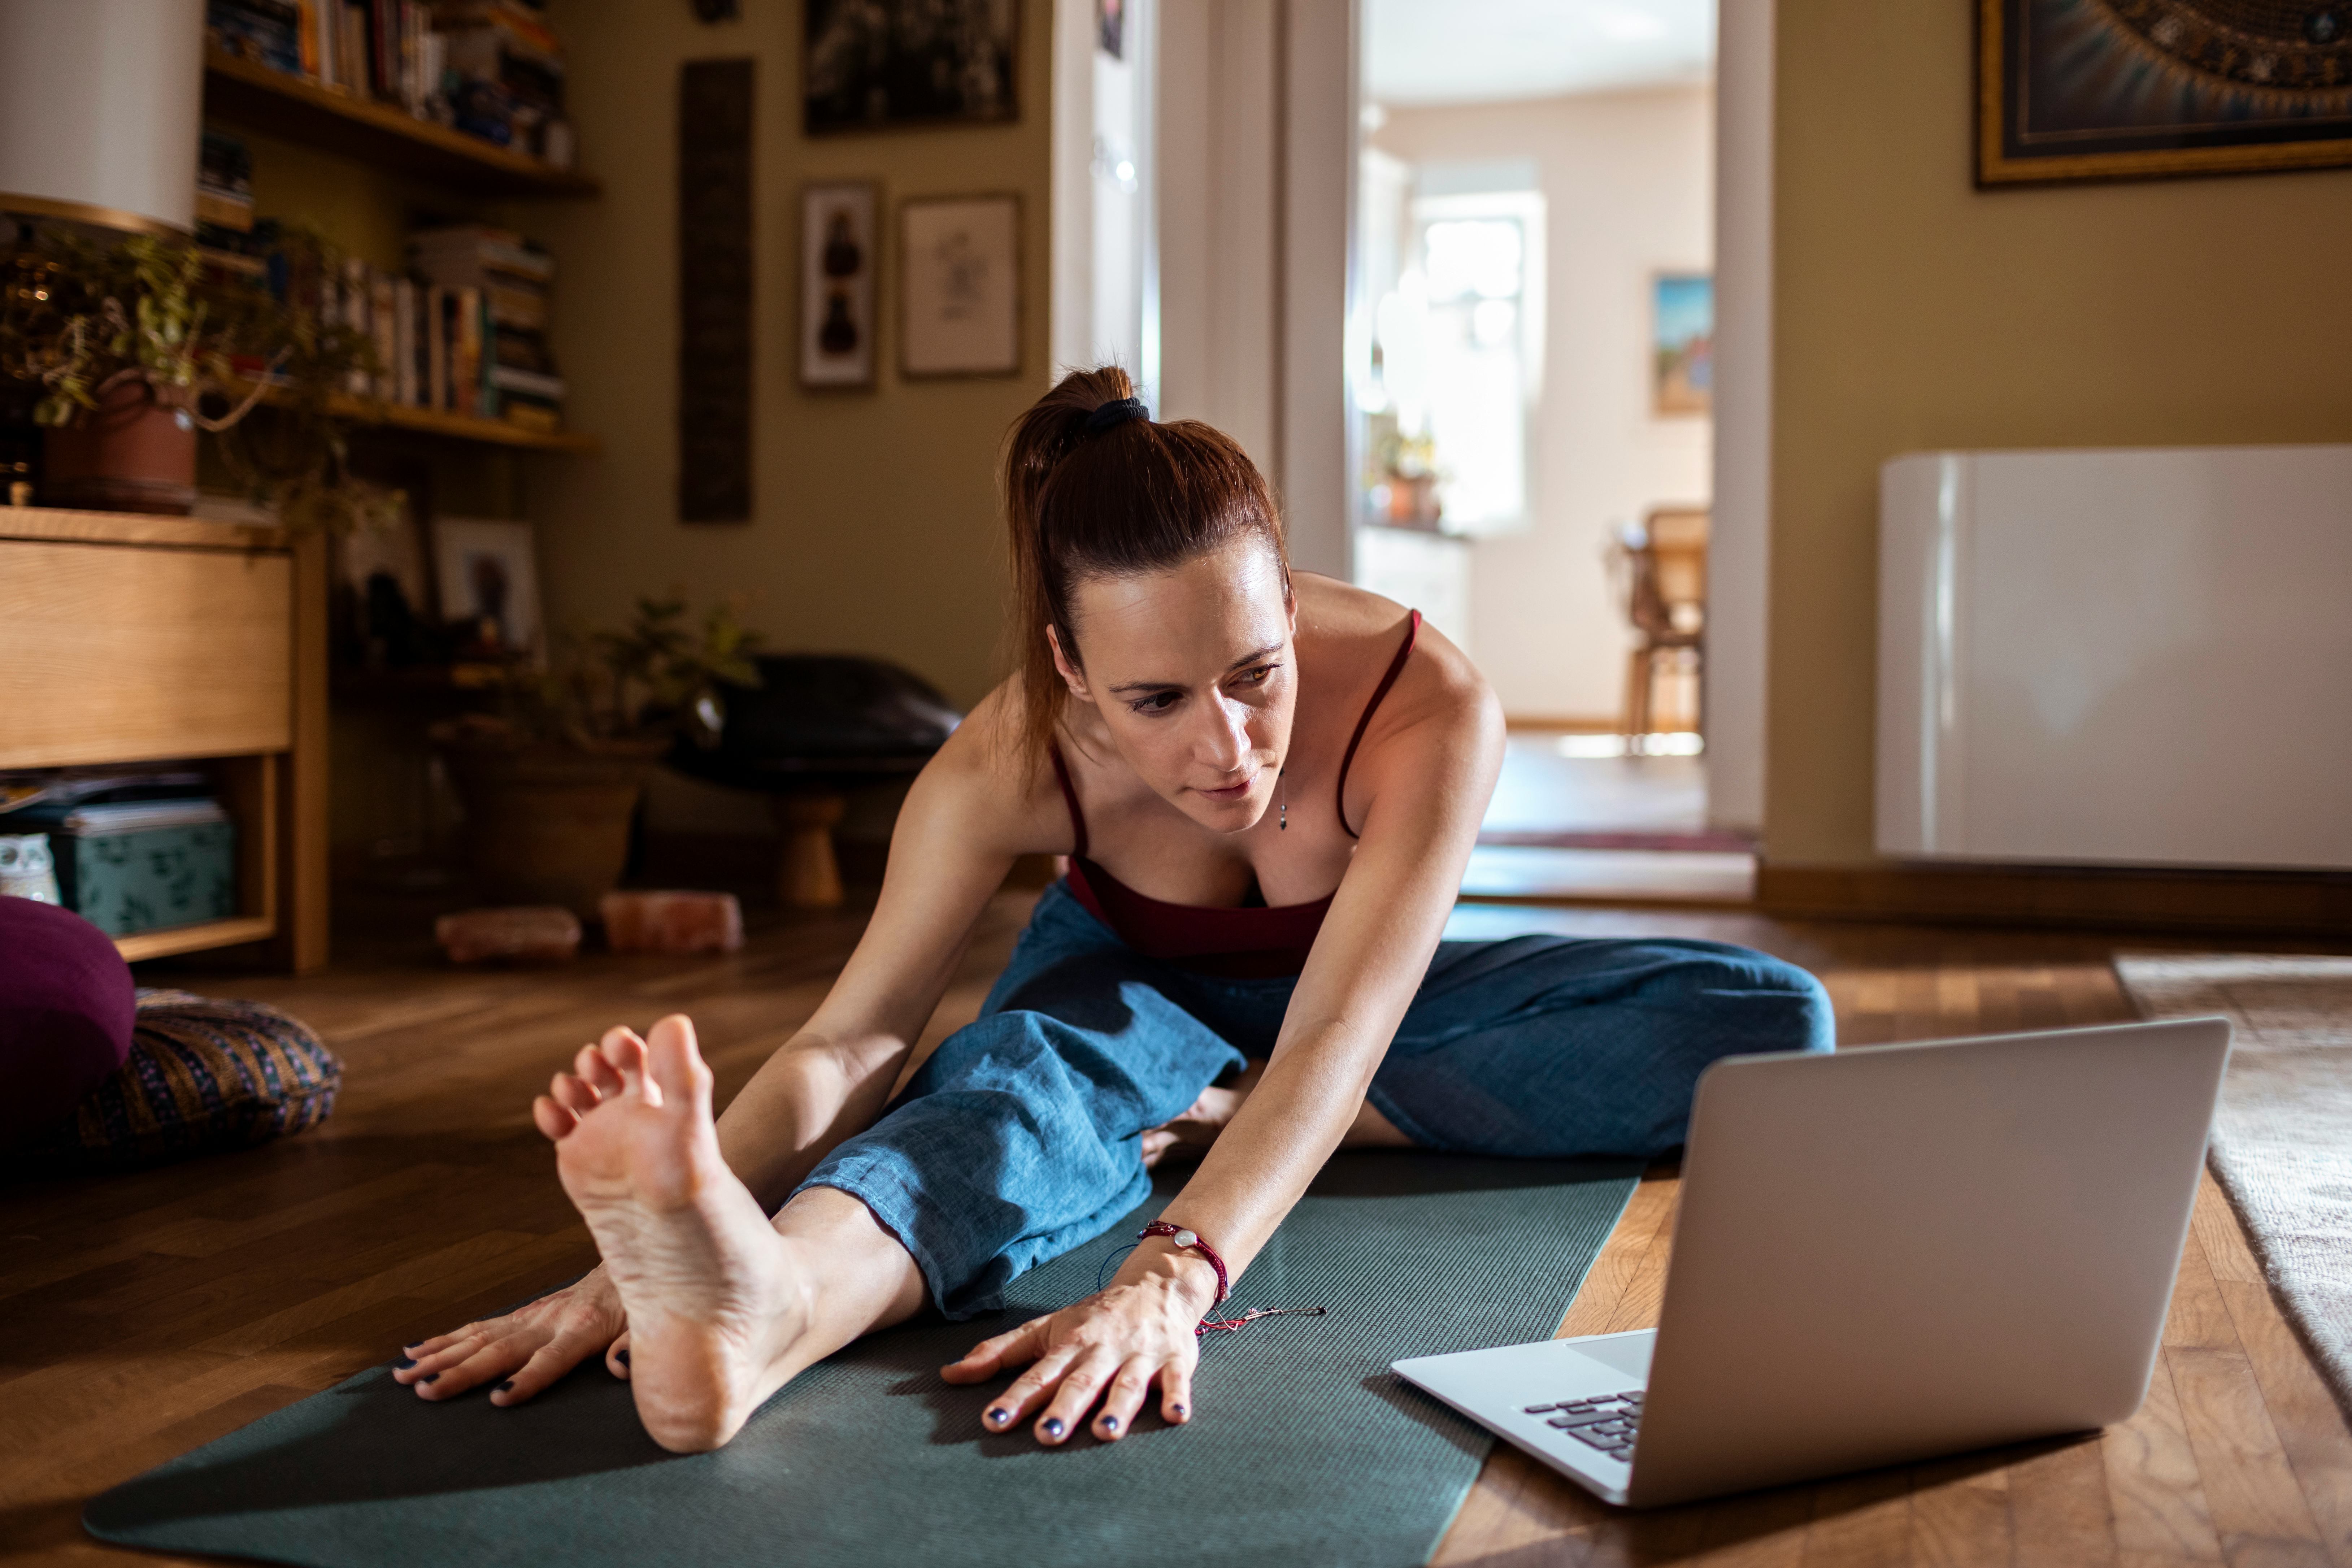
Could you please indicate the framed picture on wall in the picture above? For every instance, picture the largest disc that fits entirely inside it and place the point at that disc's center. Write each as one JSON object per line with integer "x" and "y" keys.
{"x": 1681, "y": 343}
{"x": 960, "y": 286}
{"x": 877, "y": 64}
{"x": 2119, "y": 90}
{"x": 838, "y": 260}
{"x": 489, "y": 581}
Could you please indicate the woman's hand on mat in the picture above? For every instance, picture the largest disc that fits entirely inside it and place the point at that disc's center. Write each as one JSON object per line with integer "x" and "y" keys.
{"x": 526, "y": 1350}
{"x": 1108, "y": 1350}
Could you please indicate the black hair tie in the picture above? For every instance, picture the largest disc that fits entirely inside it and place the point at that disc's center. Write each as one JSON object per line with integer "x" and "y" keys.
{"x": 1117, "y": 411}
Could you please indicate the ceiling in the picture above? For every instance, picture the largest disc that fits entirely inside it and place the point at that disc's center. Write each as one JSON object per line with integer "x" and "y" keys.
{"x": 1475, "y": 51}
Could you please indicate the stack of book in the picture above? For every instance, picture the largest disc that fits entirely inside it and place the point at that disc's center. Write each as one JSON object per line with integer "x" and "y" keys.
{"x": 135, "y": 849}
{"x": 507, "y": 65}
{"x": 500, "y": 282}
{"x": 466, "y": 332}
{"x": 492, "y": 69}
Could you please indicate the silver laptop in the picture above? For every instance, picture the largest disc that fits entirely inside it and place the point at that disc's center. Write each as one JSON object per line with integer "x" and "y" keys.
{"x": 1884, "y": 1256}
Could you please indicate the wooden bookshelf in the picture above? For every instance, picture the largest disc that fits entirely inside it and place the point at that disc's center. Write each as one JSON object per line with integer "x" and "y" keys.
{"x": 466, "y": 427}
{"x": 455, "y": 426}
{"x": 276, "y": 104}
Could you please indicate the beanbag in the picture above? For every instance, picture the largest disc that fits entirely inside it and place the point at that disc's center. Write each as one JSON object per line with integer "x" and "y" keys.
{"x": 203, "y": 1076}
{"x": 65, "y": 1013}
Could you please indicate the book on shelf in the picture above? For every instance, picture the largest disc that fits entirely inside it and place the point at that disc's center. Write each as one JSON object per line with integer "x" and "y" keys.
{"x": 224, "y": 183}
{"x": 267, "y": 31}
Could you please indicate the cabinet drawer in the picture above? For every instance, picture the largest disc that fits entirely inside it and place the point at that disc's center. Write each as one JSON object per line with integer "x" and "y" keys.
{"x": 115, "y": 653}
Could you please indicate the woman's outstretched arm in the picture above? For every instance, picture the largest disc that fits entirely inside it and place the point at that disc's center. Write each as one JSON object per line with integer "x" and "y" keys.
{"x": 962, "y": 826}
{"x": 1431, "y": 775}
{"x": 954, "y": 842}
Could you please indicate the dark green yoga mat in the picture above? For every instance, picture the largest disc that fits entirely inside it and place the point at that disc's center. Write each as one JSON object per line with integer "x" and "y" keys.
{"x": 1303, "y": 1449}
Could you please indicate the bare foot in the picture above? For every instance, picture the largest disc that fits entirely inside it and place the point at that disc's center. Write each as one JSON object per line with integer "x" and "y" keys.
{"x": 1190, "y": 1135}
{"x": 713, "y": 1308}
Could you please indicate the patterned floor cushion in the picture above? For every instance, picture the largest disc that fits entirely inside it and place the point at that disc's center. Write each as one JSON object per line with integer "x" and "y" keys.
{"x": 204, "y": 1076}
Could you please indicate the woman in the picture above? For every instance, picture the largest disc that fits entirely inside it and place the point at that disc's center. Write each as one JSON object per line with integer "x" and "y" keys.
{"x": 1269, "y": 787}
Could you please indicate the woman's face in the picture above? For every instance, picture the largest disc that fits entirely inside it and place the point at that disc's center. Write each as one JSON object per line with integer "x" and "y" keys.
{"x": 1192, "y": 671}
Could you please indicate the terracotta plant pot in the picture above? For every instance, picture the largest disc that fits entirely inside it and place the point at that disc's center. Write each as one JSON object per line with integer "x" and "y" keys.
{"x": 133, "y": 452}
{"x": 548, "y": 825}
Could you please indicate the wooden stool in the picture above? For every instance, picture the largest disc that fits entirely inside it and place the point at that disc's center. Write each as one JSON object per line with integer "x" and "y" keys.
{"x": 808, "y": 877}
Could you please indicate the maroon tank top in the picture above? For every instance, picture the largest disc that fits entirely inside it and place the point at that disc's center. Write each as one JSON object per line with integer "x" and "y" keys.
{"x": 1251, "y": 942}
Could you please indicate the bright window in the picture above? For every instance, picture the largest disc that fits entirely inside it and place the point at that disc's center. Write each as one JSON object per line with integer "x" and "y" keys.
{"x": 1459, "y": 350}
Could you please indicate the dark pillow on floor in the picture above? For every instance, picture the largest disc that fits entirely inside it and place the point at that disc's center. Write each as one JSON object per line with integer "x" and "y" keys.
{"x": 65, "y": 1013}
{"x": 204, "y": 1076}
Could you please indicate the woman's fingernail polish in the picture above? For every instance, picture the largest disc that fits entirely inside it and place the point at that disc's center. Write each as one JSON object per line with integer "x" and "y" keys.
{"x": 622, "y": 1356}
{"x": 405, "y": 1361}
{"x": 507, "y": 1387}
{"x": 1054, "y": 1428}
{"x": 429, "y": 1377}
{"x": 999, "y": 1417}
{"x": 1110, "y": 1423}
{"x": 1176, "y": 1411}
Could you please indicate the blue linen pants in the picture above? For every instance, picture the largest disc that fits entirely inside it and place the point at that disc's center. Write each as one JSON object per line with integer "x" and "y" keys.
{"x": 1021, "y": 1137}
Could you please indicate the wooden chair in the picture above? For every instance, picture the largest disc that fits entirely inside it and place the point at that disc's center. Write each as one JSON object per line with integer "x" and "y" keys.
{"x": 1665, "y": 600}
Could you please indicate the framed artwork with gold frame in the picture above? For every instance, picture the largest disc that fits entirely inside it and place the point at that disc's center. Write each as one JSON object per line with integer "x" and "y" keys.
{"x": 2126, "y": 89}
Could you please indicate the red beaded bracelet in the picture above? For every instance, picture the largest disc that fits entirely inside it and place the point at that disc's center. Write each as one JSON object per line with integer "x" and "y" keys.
{"x": 1190, "y": 1241}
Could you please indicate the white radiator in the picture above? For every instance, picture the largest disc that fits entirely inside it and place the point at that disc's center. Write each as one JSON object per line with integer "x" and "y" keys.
{"x": 2138, "y": 658}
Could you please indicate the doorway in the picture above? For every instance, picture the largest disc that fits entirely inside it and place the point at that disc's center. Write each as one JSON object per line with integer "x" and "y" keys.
{"x": 1530, "y": 392}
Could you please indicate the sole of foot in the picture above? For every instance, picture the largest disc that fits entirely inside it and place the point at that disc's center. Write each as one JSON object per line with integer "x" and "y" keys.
{"x": 713, "y": 1308}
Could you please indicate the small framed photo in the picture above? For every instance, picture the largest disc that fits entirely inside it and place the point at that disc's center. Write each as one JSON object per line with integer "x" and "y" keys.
{"x": 837, "y": 267}
{"x": 391, "y": 548}
{"x": 1682, "y": 347}
{"x": 489, "y": 579}
{"x": 960, "y": 286}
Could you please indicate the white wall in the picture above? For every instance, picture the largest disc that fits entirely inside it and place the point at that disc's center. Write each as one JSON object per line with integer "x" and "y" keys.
{"x": 1739, "y": 550}
{"x": 1219, "y": 246}
{"x": 1628, "y": 183}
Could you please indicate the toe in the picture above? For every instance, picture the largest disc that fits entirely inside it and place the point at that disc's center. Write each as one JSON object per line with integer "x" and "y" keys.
{"x": 616, "y": 1360}
{"x": 624, "y": 1053}
{"x": 552, "y": 1120}
{"x": 595, "y": 1071}
{"x": 573, "y": 1093}
{"x": 674, "y": 1064}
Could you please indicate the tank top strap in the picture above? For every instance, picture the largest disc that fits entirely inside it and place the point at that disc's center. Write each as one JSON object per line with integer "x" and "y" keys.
{"x": 1070, "y": 795}
{"x": 1340, "y": 796}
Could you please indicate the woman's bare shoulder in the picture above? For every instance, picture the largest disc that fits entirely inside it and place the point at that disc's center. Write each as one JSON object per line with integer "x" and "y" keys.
{"x": 1437, "y": 682}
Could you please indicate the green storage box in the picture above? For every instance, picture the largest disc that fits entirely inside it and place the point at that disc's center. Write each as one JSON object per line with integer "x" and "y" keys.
{"x": 147, "y": 880}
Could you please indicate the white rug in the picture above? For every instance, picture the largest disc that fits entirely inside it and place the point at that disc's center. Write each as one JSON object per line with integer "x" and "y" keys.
{"x": 2282, "y": 1142}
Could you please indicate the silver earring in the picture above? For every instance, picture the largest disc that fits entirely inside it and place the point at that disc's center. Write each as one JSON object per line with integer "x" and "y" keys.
{"x": 1282, "y": 818}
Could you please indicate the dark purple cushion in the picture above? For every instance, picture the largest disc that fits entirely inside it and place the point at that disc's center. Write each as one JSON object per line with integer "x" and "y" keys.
{"x": 66, "y": 1007}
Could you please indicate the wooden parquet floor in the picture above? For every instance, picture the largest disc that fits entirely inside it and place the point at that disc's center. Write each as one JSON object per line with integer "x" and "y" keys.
{"x": 145, "y": 1314}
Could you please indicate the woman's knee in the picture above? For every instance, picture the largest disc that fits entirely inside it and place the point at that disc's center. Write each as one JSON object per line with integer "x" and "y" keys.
{"x": 1752, "y": 1001}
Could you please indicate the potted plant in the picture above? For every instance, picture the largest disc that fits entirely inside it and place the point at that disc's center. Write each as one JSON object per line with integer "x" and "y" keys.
{"x": 127, "y": 345}
{"x": 551, "y": 782}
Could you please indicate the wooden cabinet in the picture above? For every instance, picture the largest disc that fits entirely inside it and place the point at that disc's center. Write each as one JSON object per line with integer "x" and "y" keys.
{"x": 127, "y": 638}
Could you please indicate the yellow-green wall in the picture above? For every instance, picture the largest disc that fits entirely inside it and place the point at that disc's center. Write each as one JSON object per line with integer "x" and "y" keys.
{"x": 873, "y": 524}
{"x": 1912, "y": 312}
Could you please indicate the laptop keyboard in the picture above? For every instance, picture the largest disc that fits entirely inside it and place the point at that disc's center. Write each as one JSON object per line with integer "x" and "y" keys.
{"x": 1604, "y": 1421}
